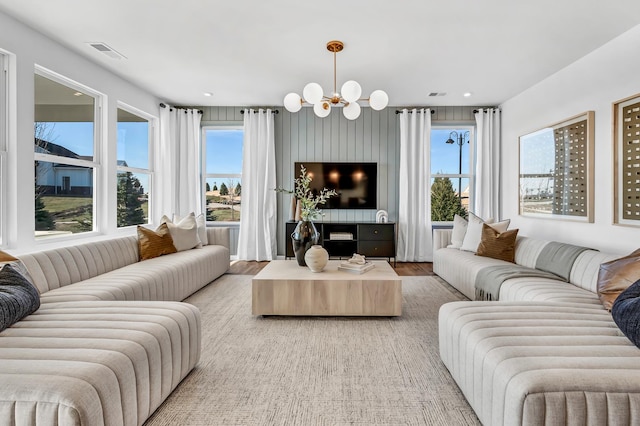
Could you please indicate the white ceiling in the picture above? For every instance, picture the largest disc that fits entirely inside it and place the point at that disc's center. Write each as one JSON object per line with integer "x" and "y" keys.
{"x": 255, "y": 52}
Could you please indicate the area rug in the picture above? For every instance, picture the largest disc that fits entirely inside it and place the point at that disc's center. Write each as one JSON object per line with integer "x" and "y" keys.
{"x": 317, "y": 371}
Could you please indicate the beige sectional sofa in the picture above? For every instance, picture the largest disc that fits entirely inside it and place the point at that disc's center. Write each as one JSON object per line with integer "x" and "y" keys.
{"x": 546, "y": 353}
{"x": 111, "y": 339}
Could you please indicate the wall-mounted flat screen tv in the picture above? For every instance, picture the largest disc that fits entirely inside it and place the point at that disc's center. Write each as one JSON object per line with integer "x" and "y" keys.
{"x": 355, "y": 183}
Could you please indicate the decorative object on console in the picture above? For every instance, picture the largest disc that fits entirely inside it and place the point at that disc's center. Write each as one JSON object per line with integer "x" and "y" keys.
{"x": 348, "y": 97}
{"x": 626, "y": 132}
{"x": 316, "y": 258}
{"x": 616, "y": 276}
{"x": 303, "y": 238}
{"x": 548, "y": 186}
{"x": 154, "y": 243}
{"x": 626, "y": 312}
{"x": 497, "y": 245}
{"x": 382, "y": 216}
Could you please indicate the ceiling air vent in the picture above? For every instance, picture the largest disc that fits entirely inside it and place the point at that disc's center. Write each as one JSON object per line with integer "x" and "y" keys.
{"x": 437, "y": 94}
{"x": 103, "y": 48}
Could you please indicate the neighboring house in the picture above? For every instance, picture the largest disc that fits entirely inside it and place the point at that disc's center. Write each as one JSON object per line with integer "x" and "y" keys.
{"x": 62, "y": 179}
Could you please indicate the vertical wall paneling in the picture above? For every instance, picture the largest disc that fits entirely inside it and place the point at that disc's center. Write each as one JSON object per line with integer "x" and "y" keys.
{"x": 373, "y": 137}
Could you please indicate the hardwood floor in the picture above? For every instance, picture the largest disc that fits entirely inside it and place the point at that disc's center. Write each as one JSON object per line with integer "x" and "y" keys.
{"x": 243, "y": 267}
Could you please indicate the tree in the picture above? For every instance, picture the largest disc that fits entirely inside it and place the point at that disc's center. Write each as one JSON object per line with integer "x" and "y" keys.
{"x": 223, "y": 189}
{"x": 215, "y": 187}
{"x": 238, "y": 189}
{"x": 129, "y": 206}
{"x": 445, "y": 203}
{"x": 207, "y": 187}
{"x": 44, "y": 220}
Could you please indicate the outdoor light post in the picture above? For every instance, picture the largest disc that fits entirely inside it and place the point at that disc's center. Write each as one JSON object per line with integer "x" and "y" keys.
{"x": 459, "y": 138}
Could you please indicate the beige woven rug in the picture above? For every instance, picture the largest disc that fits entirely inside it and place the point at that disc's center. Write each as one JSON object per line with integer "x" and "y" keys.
{"x": 317, "y": 371}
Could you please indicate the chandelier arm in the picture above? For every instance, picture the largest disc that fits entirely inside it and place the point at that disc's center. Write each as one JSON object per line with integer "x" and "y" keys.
{"x": 335, "y": 86}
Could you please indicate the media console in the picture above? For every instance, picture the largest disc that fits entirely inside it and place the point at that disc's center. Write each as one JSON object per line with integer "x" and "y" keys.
{"x": 343, "y": 239}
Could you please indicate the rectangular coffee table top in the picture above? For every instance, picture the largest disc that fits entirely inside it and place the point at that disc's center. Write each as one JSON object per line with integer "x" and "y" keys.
{"x": 289, "y": 269}
{"x": 285, "y": 288}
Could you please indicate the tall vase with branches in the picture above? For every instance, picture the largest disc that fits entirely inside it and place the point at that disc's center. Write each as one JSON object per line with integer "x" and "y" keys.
{"x": 305, "y": 234}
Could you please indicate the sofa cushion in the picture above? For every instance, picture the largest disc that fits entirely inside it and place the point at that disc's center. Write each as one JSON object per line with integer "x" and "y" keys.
{"x": 498, "y": 245}
{"x": 626, "y": 312}
{"x": 155, "y": 243}
{"x": 201, "y": 221}
{"x": 460, "y": 225}
{"x": 18, "y": 296}
{"x": 474, "y": 231}
{"x": 616, "y": 276}
{"x": 184, "y": 232}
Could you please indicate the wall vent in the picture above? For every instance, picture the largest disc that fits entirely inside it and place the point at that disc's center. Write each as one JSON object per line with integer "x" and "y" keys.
{"x": 437, "y": 94}
{"x": 105, "y": 49}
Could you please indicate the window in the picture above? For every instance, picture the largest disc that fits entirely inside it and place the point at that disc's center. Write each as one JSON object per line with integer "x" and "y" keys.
{"x": 4, "y": 131}
{"x": 134, "y": 172}
{"x": 65, "y": 130}
{"x": 222, "y": 153}
{"x": 451, "y": 172}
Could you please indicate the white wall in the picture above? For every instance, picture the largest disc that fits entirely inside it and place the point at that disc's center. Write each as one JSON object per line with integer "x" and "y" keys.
{"x": 29, "y": 48}
{"x": 593, "y": 83}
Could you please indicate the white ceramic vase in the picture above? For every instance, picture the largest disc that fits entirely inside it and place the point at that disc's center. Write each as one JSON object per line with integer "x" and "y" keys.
{"x": 316, "y": 258}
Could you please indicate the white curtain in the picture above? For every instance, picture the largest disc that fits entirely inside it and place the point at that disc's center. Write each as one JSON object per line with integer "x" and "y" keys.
{"x": 487, "y": 195}
{"x": 414, "y": 215}
{"x": 257, "y": 237}
{"x": 178, "y": 184}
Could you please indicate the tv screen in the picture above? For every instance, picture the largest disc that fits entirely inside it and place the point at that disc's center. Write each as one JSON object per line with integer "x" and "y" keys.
{"x": 355, "y": 183}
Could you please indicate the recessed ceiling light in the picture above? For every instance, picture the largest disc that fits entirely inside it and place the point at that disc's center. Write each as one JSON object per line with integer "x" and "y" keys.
{"x": 208, "y": 94}
{"x": 466, "y": 95}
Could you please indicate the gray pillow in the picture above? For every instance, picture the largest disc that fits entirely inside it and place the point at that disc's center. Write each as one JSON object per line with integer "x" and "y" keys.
{"x": 18, "y": 297}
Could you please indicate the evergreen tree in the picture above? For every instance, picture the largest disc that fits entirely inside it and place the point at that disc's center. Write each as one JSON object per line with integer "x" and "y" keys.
{"x": 238, "y": 189}
{"x": 44, "y": 220}
{"x": 445, "y": 203}
{"x": 207, "y": 187}
{"x": 223, "y": 189}
{"x": 215, "y": 187}
{"x": 129, "y": 206}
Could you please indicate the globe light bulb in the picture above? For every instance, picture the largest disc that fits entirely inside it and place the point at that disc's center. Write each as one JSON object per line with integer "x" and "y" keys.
{"x": 351, "y": 111}
{"x": 293, "y": 102}
{"x": 378, "y": 100}
{"x": 351, "y": 91}
{"x": 322, "y": 109}
{"x": 312, "y": 93}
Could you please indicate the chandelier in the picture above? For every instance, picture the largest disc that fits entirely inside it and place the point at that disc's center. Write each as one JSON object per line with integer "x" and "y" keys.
{"x": 347, "y": 98}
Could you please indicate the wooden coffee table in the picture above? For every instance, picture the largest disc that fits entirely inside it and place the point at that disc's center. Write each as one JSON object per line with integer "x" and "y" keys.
{"x": 285, "y": 288}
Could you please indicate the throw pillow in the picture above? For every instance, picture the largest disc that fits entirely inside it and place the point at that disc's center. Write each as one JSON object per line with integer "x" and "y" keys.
{"x": 474, "y": 231}
{"x": 18, "y": 297}
{"x": 459, "y": 230}
{"x": 498, "y": 245}
{"x": 616, "y": 276}
{"x": 6, "y": 257}
{"x": 184, "y": 233}
{"x": 154, "y": 243}
{"x": 201, "y": 222}
{"x": 626, "y": 312}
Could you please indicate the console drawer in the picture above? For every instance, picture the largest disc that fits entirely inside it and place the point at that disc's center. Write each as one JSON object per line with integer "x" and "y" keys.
{"x": 377, "y": 248}
{"x": 376, "y": 232}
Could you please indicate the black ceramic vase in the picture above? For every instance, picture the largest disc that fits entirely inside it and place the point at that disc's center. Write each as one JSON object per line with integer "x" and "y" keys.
{"x": 303, "y": 237}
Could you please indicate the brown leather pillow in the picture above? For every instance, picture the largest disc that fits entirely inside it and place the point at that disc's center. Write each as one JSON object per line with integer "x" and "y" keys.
{"x": 498, "y": 245}
{"x": 154, "y": 243}
{"x": 616, "y": 275}
{"x": 6, "y": 257}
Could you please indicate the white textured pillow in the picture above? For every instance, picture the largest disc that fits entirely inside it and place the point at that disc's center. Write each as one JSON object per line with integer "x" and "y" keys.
{"x": 184, "y": 233}
{"x": 201, "y": 221}
{"x": 474, "y": 233}
{"x": 459, "y": 230}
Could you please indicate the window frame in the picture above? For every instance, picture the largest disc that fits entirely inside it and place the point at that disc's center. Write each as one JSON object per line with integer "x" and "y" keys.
{"x": 206, "y": 175}
{"x": 471, "y": 175}
{"x": 96, "y": 164}
{"x": 4, "y": 141}
{"x": 136, "y": 170}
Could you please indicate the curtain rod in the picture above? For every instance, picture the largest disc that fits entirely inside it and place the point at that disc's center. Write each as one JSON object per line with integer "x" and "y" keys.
{"x": 486, "y": 109}
{"x": 275, "y": 111}
{"x": 398, "y": 111}
{"x": 162, "y": 105}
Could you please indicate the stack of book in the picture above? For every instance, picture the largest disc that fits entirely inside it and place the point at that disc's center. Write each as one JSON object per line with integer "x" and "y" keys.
{"x": 356, "y": 268}
{"x": 345, "y": 236}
